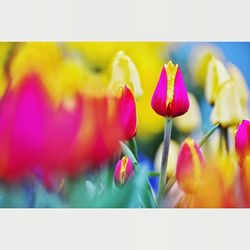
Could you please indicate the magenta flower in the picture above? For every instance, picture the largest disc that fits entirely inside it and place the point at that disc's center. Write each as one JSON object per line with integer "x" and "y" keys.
{"x": 242, "y": 141}
{"x": 170, "y": 97}
{"x": 123, "y": 171}
{"x": 127, "y": 113}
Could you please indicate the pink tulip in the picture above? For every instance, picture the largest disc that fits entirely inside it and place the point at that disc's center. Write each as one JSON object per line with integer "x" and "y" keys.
{"x": 170, "y": 97}
{"x": 127, "y": 113}
{"x": 123, "y": 171}
{"x": 242, "y": 141}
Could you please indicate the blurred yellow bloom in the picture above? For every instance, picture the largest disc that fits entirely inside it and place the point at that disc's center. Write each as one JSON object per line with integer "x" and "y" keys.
{"x": 228, "y": 109}
{"x": 190, "y": 120}
{"x": 124, "y": 71}
{"x": 42, "y": 58}
{"x": 73, "y": 76}
{"x": 63, "y": 74}
{"x": 5, "y": 49}
{"x": 173, "y": 155}
{"x": 239, "y": 80}
{"x": 217, "y": 75}
{"x": 199, "y": 60}
{"x": 227, "y": 168}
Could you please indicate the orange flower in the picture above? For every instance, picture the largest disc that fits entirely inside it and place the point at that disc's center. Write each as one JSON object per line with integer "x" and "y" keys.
{"x": 189, "y": 165}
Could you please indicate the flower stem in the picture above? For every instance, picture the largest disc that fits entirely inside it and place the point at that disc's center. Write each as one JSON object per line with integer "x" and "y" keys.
{"x": 224, "y": 132}
{"x": 133, "y": 147}
{"x": 164, "y": 161}
{"x": 153, "y": 174}
{"x": 208, "y": 134}
{"x": 126, "y": 151}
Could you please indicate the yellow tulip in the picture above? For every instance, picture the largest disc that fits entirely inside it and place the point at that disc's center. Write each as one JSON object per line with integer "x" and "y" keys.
{"x": 228, "y": 109}
{"x": 239, "y": 80}
{"x": 172, "y": 159}
{"x": 190, "y": 120}
{"x": 217, "y": 75}
{"x": 124, "y": 71}
{"x": 42, "y": 58}
{"x": 199, "y": 60}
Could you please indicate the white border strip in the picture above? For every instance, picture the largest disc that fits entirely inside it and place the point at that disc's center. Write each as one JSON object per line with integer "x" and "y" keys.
{"x": 115, "y": 20}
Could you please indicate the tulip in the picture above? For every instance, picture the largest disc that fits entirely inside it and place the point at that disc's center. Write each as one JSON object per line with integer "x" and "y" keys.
{"x": 228, "y": 109}
{"x": 199, "y": 61}
{"x": 124, "y": 71}
{"x": 190, "y": 120}
{"x": 23, "y": 115}
{"x": 80, "y": 133}
{"x": 127, "y": 112}
{"x": 189, "y": 166}
{"x": 217, "y": 75}
{"x": 40, "y": 58}
{"x": 170, "y": 97}
{"x": 240, "y": 81}
{"x": 123, "y": 171}
{"x": 170, "y": 100}
{"x": 242, "y": 141}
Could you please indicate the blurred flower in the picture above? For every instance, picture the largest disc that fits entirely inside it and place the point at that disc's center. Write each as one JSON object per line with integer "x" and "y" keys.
{"x": 127, "y": 112}
{"x": 23, "y": 115}
{"x": 190, "y": 120}
{"x": 79, "y": 133}
{"x": 170, "y": 97}
{"x": 242, "y": 141}
{"x": 199, "y": 61}
{"x": 217, "y": 75}
{"x": 5, "y": 51}
{"x": 211, "y": 192}
{"x": 123, "y": 171}
{"x": 172, "y": 160}
{"x": 189, "y": 166}
{"x": 228, "y": 109}
{"x": 239, "y": 80}
{"x": 123, "y": 71}
{"x": 39, "y": 58}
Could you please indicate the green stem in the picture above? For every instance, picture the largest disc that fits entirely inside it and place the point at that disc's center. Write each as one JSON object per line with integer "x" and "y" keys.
{"x": 208, "y": 134}
{"x": 170, "y": 184}
{"x": 152, "y": 174}
{"x": 133, "y": 147}
{"x": 224, "y": 132}
{"x": 129, "y": 153}
{"x": 164, "y": 161}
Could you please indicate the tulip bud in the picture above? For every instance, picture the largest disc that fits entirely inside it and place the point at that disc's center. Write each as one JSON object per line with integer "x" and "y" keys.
{"x": 190, "y": 120}
{"x": 242, "y": 141}
{"x": 228, "y": 109}
{"x": 189, "y": 166}
{"x": 127, "y": 113}
{"x": 124, "y": 71}
{"x": 170, "y": 97}
{"x": 123, "y": 171}
{"x": 217, "y": 75}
